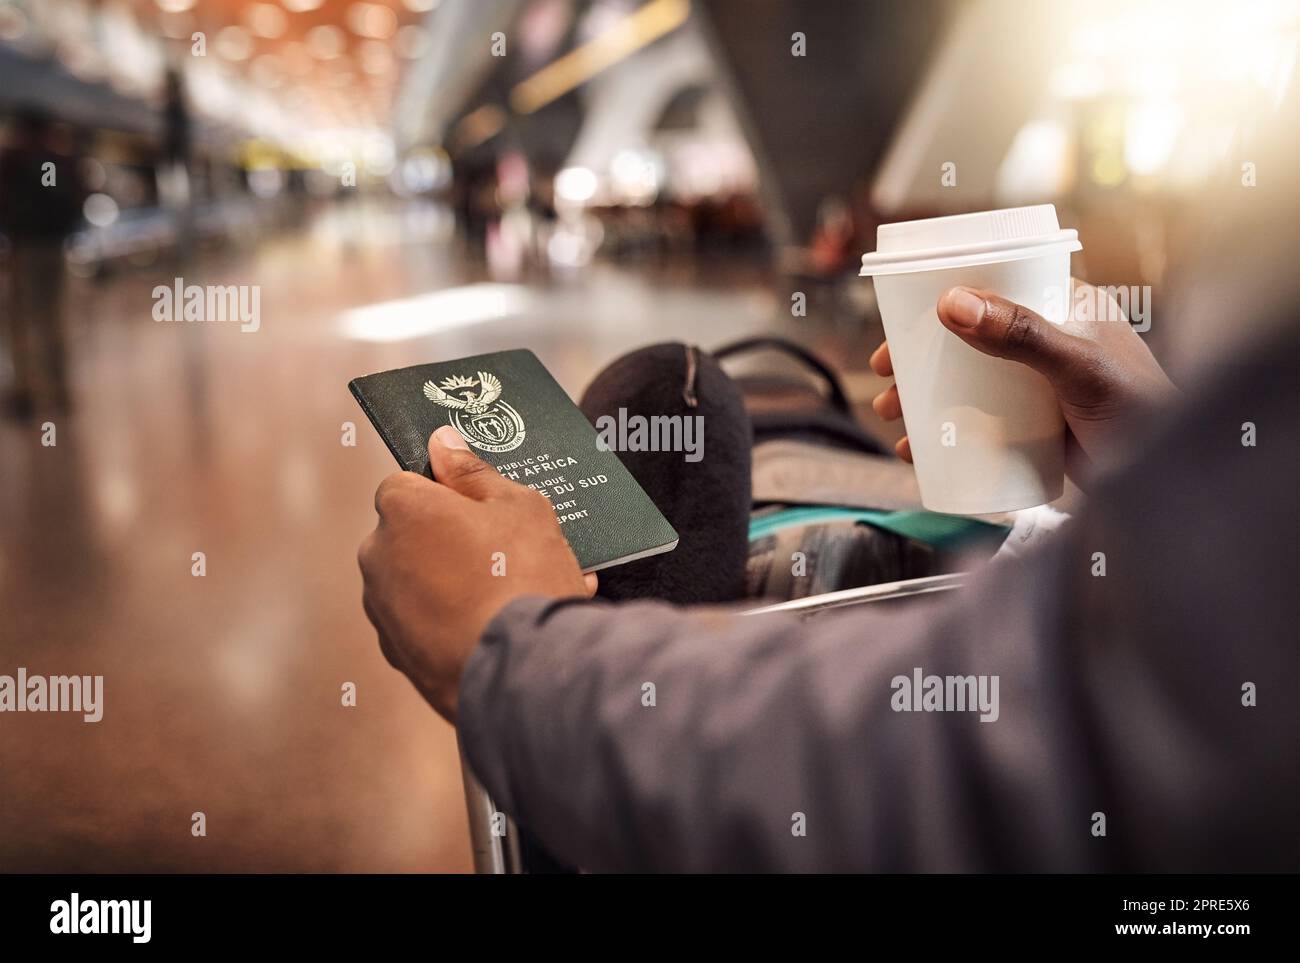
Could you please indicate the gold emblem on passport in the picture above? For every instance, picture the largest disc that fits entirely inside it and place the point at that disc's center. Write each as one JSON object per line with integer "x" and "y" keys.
{"x": 477, "y": 411}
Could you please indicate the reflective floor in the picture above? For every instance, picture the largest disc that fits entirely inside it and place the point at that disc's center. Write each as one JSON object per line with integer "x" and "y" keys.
{"x": 223, "y": 692}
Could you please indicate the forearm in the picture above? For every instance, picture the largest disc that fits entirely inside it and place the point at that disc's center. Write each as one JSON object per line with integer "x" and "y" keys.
{"x": 763, "y": 727}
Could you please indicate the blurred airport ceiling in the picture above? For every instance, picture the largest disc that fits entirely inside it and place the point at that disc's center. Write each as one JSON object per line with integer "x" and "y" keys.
{"x": 815, "y": 106}
{"x": 274, "y": 68}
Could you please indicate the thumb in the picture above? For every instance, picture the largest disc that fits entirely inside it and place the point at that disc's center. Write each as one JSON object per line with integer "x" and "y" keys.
{"x": 455, "y": 466}
{"x": 1004, "y": 329}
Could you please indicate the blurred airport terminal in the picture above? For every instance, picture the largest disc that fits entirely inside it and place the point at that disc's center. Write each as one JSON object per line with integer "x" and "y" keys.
{"x": 390, "y": 182}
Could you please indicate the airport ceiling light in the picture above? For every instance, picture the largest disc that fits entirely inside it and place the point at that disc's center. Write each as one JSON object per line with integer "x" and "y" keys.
{"x": 576, "y": 186}
{"x": 628, "y": 35}
{"x": 266, "y": 20}
{"x": 234, "y": 43}
{"x": 100, "y": 210}
{"x": 635, "y": 176}
{"x": 326, "y": 42}
{"x": 373, "y": 20}
{"x": 301, "y": 6}
{"x": 175, "y": 6}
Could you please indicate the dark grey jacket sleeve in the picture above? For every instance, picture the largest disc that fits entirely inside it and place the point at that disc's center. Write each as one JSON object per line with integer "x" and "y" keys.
{"x": 1123, "y": 699}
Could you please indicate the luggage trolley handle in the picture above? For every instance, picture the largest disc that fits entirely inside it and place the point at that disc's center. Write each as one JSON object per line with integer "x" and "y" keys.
{"x": 493, "y": 854}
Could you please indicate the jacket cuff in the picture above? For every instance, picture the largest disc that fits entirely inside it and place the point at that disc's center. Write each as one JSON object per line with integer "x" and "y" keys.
{"x": 485, "y": 705}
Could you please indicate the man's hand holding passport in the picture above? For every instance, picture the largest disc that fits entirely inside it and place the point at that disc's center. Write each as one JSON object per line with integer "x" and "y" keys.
{"x": 505, "y": 493}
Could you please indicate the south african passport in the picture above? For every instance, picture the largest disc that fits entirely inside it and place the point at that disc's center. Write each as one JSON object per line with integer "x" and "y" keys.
{"x": 516, "y": 417}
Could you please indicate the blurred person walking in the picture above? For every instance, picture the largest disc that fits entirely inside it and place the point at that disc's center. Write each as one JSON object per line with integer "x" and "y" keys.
{"x": 41, "y": 197}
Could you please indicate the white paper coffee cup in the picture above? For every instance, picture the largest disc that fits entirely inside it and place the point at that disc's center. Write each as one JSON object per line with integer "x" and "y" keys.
{"x": 987, "y": 434}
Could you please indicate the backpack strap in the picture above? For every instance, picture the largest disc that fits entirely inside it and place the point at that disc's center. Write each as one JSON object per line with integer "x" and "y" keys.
{"x": 833, "y": 424}
{"x": 837, "y": 396}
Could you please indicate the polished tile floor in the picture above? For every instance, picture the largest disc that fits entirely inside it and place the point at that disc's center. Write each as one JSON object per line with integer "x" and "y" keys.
{"x": 223, "y": 692}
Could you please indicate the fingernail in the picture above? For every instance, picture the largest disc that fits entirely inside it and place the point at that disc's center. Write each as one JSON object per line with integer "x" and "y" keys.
{"x": 449, "y": 437}
{"x": 965, "y": 307}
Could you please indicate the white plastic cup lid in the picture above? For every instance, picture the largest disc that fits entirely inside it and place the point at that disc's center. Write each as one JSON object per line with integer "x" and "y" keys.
{"x": 964, "y": 239}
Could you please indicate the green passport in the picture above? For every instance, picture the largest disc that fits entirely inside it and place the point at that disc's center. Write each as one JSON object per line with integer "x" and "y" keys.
{"x": 517, "y": 418}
